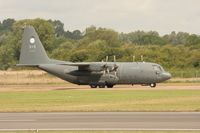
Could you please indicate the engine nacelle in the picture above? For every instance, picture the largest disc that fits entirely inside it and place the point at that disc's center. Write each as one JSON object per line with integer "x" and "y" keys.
{"x": 96, "y": 67}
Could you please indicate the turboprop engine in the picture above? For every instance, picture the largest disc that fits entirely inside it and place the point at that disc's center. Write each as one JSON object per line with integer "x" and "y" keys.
{"x": 99, "y": 67}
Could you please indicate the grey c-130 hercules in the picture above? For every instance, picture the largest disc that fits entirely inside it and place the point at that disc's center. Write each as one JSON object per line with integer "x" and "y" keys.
{"x": 95, "y": 74}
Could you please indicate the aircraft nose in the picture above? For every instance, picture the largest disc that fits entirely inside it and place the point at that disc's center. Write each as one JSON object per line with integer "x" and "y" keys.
{"x": 166, "y": 76}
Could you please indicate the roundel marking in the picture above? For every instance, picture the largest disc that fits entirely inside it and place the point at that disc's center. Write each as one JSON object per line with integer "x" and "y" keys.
{"x": 32, "y": 40}
{"x": 32, "y": 43}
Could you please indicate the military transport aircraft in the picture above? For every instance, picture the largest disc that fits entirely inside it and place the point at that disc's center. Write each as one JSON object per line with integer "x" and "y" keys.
{"x": 95, "y": 74}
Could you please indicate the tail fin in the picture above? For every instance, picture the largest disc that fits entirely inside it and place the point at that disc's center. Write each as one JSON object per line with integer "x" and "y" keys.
{"x": 32, "y": 50}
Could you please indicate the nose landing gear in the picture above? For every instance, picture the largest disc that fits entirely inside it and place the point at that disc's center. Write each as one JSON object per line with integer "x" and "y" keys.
{"x": 153, "y": 85}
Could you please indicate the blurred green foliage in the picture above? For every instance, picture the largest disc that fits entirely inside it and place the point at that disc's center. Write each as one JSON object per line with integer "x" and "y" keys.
{"x": 175, "y": 51}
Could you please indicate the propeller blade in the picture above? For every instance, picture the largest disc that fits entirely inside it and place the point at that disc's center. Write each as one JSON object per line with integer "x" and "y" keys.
{"x": 114, "y": 58}
{"x": 107, "y": 58}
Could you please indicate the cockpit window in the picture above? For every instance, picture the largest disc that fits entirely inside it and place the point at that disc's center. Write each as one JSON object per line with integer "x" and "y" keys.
{"x": 157, "y": 68}
{"x": 162, "y": 68}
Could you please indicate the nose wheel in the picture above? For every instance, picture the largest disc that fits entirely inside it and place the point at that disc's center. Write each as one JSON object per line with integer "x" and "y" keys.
{"x": 153, "y": 85}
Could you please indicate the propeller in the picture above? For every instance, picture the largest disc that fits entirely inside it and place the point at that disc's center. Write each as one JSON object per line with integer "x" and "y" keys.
{"x": 115, "y": 67}
{"x": 114, "y": 58}
{"x": 107, "y": 59}
{"x": 105, "y": 66}
{"x": 108, "y": 69}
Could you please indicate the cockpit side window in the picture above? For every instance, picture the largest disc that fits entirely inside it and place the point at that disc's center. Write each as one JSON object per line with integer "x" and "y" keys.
{"x": 162, "y": 69}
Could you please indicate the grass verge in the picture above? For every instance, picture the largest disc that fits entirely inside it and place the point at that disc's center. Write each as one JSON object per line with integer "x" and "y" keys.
{"x": 100, "y": 100}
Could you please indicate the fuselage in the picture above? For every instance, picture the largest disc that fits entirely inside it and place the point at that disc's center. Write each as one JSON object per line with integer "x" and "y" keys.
{"x": 127, "y": 73}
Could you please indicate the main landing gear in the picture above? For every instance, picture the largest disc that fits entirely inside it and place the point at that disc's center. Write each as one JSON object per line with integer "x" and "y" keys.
{"x": 101, "y": 86}
{"x": 153, "y": 85}
{"x": 93, "y": 86}
{"x": 110, "y": 86}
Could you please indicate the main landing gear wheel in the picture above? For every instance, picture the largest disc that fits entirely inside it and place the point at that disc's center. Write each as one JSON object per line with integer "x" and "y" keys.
{"x": 153, "y": 85}
{"x": 102, "y": 86}
{"x": 110, "y": 86}
{"x": 93, "y": 86}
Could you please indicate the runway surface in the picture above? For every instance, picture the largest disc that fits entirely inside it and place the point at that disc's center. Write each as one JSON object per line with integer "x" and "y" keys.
{"x": 100, "y": 121}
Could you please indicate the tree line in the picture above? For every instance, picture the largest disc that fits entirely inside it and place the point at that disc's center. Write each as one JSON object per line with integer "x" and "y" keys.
{"x": 174, "y": 51}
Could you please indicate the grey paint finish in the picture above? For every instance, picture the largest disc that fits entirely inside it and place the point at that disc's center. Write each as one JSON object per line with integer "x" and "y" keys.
{"x": 102, "y": 121}
{"x": 89, "y": 73}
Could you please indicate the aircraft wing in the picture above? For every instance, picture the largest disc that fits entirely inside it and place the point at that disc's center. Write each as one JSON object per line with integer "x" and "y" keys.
{"x": 93, "y": 67}
{"x": 76, "y": 64}
{"x": 81, "y": 66}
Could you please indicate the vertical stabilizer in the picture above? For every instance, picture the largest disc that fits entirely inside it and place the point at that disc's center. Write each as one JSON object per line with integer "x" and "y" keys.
{"x": 32, "y": 50}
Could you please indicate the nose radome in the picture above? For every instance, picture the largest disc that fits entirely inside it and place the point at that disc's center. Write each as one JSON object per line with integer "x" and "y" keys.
{"x": 167, "y": 76}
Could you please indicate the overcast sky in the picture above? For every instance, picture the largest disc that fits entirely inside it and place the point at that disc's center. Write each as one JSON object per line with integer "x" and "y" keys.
{"x": 163, "y": 16}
